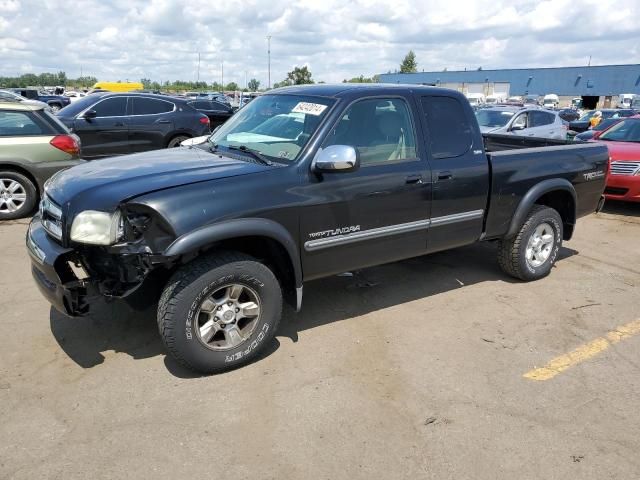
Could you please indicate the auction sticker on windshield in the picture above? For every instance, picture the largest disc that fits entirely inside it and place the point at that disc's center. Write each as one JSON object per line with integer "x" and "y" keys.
{"x": 309, "y": 108}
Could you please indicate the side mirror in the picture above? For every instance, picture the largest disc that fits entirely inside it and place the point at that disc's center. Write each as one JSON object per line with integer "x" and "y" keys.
{"x": 336, "y": 158}
{"x": 89, "y": 114}
{"x": 517, "y": 127}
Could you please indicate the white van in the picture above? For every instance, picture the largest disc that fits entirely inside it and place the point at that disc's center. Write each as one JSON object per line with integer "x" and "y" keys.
{"x": 494, "y": 99}
{"x": 626, "y": 100}
{"x": 475, "y": 99}
{"x": 551, "y": 101}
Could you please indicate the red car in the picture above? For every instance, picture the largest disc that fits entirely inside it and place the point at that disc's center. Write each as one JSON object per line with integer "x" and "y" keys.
{"x": 623, "y": 140}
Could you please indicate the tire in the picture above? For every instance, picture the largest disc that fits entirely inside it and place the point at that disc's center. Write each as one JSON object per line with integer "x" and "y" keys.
{"x": 199, "y": 291}
{"x": 541, "y": 233}
{"x": 55, "y": 107}
{"x": 18, "y": 195}
{"x": 175, "y": 141}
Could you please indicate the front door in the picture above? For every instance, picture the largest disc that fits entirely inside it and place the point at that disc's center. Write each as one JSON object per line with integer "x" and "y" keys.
{"x": 379, "y": 213}
{"x": 108, "y": 133}
{"x": 460, "y": 173}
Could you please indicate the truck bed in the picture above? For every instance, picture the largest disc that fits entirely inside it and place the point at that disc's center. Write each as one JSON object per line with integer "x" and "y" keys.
{"x": 496, "y": 143}
{"x": 516, "y": 171}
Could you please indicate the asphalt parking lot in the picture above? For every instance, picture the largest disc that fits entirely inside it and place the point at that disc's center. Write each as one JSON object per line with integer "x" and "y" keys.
{"x": 436, "y": 367}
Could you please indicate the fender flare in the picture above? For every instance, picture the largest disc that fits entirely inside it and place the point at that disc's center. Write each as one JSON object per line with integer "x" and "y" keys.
{"x": 241, "y": 227}
{"x": 535, "y": 193}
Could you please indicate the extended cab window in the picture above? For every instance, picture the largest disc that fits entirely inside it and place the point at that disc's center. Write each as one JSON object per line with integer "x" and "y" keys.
{"x": 17, "y": 124}
{"x": 380, "y": 129}
{"x": 150, "y": 106}
{"x": 111, "y": 107}
{"x": 450, "y": 133}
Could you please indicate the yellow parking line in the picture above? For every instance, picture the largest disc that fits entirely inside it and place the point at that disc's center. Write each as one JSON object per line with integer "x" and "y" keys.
{"x": 583, "y": 352}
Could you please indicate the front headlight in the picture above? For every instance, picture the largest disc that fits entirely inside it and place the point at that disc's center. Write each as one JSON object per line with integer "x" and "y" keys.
{"x": 97, "y": 228}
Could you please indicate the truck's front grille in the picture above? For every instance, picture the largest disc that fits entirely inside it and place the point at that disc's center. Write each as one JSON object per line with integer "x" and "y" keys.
{"x": 51, "y": 216}
{"x": 624, "y": 168}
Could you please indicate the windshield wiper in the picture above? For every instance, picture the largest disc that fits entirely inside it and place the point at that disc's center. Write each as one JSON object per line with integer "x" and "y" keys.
{"x": 255, "y": 153}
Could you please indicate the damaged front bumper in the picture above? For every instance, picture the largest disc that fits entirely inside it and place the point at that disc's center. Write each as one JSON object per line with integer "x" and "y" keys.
{"x": 57, "y": 273}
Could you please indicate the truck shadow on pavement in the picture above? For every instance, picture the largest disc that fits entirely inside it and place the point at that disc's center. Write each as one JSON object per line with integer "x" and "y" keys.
{"x": 116, "y": 327}
{"x": 627, "y": 209}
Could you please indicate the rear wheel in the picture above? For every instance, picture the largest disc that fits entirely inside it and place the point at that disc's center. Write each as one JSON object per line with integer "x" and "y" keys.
{"x": 18, "y": 195}
{"x": 531, "y": 254}
{"x": 219, "y": 312}
{"x": 175, "y": 141}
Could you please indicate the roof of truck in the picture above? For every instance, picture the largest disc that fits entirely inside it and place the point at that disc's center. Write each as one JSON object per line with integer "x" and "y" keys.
{"x": 340, "y": 89}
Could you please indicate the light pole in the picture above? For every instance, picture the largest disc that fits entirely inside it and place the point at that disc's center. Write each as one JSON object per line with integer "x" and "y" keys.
{"x": 198, "y": 67}
{"x": 269, "y": 60}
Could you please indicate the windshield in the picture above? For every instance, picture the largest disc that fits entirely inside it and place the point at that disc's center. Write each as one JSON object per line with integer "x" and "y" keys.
{"x": 493, "y": 118}
{"x": 277, "y": 126}
{"x": 625, "y": 131}
{"x": 76, "y": 107}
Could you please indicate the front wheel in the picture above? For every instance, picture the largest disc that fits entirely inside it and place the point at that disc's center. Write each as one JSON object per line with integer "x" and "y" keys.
{"x": 531, "y": 254}
{"x": 219, "y": 312}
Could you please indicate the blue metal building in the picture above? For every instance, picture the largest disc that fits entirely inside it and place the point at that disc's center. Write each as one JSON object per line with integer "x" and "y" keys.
{"x": 597, "y": 81}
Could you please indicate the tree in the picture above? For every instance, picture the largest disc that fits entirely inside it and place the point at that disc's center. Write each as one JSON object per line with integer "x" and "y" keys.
{"x": 146, "y": 83}
{"x": 253, "y": 85}
{"x": 409, "y": 64}
{"x": 299, "y": 76}
{"x": 363, "y": 79}
{"x": 231, "y": 86}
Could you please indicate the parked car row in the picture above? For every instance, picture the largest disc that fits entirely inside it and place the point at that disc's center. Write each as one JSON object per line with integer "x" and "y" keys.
{"x": 119, "y": 123}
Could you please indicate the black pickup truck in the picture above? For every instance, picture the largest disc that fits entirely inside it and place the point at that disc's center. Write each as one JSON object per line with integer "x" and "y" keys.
{"x": 302, "y": 183}
{"x": 55, "y": 102}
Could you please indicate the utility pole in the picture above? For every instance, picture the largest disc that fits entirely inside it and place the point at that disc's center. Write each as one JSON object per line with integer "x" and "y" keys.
{"x": 589, "y": 61}
{"x": 198, "y": 79}
{"x": 222, "y": 77}
{"x": 269, "y": 59}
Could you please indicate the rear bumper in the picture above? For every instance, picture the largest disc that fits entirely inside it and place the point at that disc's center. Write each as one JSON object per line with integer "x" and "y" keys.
{"x": 623, "y": 187}
{"x": 53, "y": 277}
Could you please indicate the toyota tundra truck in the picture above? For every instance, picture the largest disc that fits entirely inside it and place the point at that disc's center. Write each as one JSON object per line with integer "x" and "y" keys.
{"x": 304, "y": 182}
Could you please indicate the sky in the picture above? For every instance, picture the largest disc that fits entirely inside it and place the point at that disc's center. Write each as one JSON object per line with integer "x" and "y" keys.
{"x": 160, "y": 39}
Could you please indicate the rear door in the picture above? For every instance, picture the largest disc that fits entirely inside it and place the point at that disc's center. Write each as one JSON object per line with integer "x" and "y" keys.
{"x": 543, "y": 125}
{"x": 108, "y": 133}
{"x": 378, "y": 213}
{"x": 151, "y": 123}
{"x": 460, "y": 173}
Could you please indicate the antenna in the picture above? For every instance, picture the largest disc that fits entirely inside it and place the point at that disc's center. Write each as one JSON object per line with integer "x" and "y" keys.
{"x": 269, "y": 59}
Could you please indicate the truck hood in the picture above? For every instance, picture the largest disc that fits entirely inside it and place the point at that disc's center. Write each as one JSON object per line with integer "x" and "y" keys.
{"x": 103, "y": 184}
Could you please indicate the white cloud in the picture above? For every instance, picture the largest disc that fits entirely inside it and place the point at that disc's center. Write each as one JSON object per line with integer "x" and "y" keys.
{"x": 160, "y": 39}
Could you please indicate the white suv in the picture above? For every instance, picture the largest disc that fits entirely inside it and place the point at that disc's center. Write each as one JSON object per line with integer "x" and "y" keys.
{"x": 530, "y": 122}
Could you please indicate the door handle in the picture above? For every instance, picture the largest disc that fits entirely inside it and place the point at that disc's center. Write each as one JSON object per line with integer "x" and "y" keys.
{"x": 164, "y": 121}
{"x": 413, "y": 179}
{"x": 445, "y": 175}
{"x": 118, "y": 124}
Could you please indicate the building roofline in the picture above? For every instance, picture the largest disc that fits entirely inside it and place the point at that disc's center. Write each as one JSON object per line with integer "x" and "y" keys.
{"x": 515, "y": 69}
